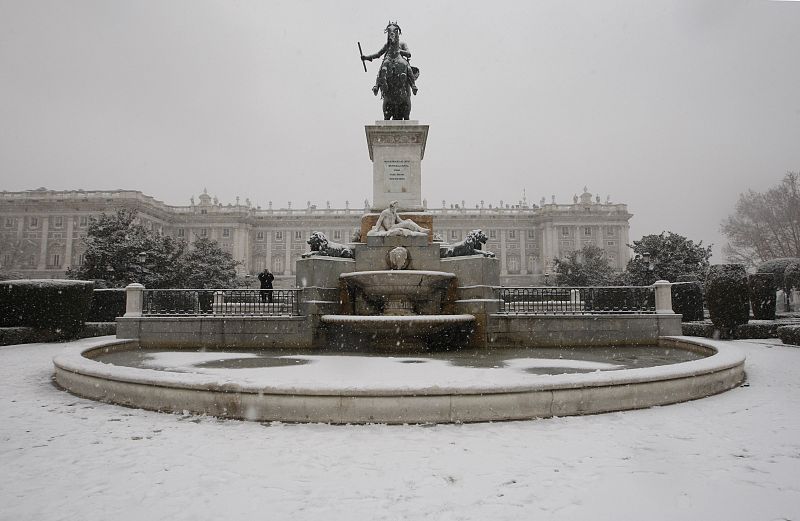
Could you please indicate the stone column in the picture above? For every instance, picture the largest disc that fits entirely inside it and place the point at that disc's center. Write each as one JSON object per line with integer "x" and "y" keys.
{"x": 287, "y": 267}
{"x": 268, "y": 248}
{"x": 624, "y": 251}
{"x": 68, "y": 248}
{"x": 134, "y": 300}
{"x": 523, "y": 258}
{"x": 663, "y": 297}
{"x": 503, "y": 257}
{"x": 43, "y": 246}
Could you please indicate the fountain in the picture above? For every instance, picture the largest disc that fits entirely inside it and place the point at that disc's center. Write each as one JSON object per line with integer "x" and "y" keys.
{"x": 397, "y": 328}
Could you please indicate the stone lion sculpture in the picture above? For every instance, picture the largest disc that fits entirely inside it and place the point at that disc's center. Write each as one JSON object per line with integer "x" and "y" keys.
{"x": 469, "y": 246}
{"x": 320, "y": 245}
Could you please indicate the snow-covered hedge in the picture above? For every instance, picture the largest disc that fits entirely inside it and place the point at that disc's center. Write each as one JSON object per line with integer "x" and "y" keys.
{"x": 758, "y": 329}
{"x": 777, "y": 267}
{"x": 687, "y": 300}
{"x": 701, "y": 329}
{"x": 791, "y": 276}
{"x": 727, "y": 297}
{"x": 58, "y": 306}
{"x": 107, "y": 305}
{"x": 789, "y": 335}
{"x": 762, "y": 289}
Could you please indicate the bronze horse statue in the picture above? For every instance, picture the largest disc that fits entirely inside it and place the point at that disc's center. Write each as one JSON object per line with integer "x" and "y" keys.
{"x": 396, "y": 77}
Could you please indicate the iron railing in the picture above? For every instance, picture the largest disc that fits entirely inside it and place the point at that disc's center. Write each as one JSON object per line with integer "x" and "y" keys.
{"x": 576, "y": 300}
{"x": 221, "y": 302}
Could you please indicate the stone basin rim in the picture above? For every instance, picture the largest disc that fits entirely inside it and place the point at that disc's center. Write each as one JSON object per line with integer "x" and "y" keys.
{"x": 722, "y": 357}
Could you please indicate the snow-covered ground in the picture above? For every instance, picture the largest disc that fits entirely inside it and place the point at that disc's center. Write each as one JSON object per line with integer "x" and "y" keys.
{"x": 735, "y": 456}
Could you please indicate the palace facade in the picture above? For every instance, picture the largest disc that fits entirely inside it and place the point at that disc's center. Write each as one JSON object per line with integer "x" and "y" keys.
{"x": 42, "y": 231}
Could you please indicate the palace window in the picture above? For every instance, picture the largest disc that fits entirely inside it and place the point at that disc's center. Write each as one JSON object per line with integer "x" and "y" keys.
{"x": 493, "y": 234}
{"x": 564, "y": 231}
{"x": 337, "y": 235}
{"x": 55, "y": 260}
{"x": 512, "y": 234}
{"x": 260, "y": 237}
{"x": 203, "y": 232}
{"x": 7, "y": 260}
{"x": 611, "y": 231}
{"x": 611, "y": 243}
{"x": 34, "y": 222}
{"x": 513, "y": 264}
{"x": 83, "y": 221}
{"x": 531, "y": 234}
{"x": 587, "y": 231}
{"x": 277, "y": 264}
{"x": 181, "y": 232}
{"x": 9, "y": 222}
{"x": 298, "y": 236}
{"x": 454, "y": 234}
{"x": 279, "y": 237}
{"x": 226, "y": 232}
{"x": 203, "y": 211}
{"x": 58, "y": 222}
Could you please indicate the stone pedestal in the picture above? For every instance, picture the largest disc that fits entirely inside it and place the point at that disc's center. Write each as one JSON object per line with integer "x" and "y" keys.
{"x": 396, "y": 149}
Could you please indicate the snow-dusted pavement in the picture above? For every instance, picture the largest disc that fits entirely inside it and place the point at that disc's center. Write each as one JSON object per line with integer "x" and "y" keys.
{"x": 735, "y": 456}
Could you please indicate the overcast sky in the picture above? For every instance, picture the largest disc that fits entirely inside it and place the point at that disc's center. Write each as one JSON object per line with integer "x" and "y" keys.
{"x": 673, "y": 107}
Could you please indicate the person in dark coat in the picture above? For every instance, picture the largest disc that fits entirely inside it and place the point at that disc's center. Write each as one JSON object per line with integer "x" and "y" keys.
{"x": 266, "y": 278}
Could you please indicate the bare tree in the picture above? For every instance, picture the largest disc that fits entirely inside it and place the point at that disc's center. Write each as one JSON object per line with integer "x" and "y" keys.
{"x": 765, "y": 225}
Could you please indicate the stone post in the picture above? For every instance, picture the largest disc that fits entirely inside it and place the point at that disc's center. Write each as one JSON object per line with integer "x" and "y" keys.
{"x": 663, "y": 297}
{"x": 134, "y": 300}
{"x": 219, "y": 302}
{"x": 780, "y": 301}
{"x": 794, "y": 300}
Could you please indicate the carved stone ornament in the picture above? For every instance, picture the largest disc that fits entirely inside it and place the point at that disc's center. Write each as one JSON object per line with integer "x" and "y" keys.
{"x": 396, "y": 138}
{"x": 398, "y": 258}
{"x": 320, "y": 245}
{"x": 469, "y": 246}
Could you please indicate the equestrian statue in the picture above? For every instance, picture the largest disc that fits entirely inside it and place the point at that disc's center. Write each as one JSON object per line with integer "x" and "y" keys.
{"x": 396, "y": 77}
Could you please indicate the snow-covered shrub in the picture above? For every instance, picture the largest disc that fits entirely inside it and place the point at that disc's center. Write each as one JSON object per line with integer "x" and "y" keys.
{"x": 59, "y": 306}
{"x": 727, "y": 297}
{"x": 789, "y": 335}
{"x": 776, "y": 267}
{"x": 791, "y": 276}
{"x": 701, "y": 329}
{"x": 758, "y": 329}
{"x": 762, "y": 289}
{"x": 687, "y": 299}
{"x": 107, "y": 305}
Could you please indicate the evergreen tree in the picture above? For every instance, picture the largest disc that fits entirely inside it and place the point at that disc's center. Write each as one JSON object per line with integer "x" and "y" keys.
{"x": 206, "y": 265}
{"x": 120, "y": 251}
{"x": 585, "y": 267}
{"x": 670, "y": 256}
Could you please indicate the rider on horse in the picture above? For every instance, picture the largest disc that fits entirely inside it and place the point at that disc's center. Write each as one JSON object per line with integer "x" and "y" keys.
{"x": 394, "y": 51}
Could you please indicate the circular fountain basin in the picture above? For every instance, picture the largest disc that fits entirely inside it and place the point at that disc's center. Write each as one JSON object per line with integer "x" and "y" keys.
{"x": 464, "y": 386}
